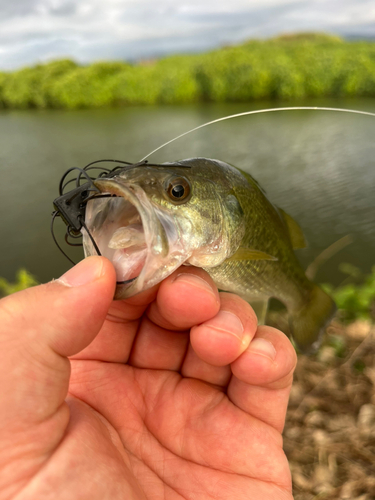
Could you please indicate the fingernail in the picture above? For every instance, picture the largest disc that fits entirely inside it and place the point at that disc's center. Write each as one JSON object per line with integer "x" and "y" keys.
{"x": 262, "y": 347}
{"x": 193, "y": 279}
{"x": 84, "y": 272}
{"x": 227, "y": 322}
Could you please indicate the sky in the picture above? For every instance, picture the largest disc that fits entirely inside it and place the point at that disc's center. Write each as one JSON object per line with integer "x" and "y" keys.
{"x": 34, "y": 31}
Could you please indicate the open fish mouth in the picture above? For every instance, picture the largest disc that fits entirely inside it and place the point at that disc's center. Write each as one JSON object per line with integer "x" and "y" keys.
{"x": 132, "y": 235}
{"x": 124, "y": 228}
{"x": 120, "y": 238}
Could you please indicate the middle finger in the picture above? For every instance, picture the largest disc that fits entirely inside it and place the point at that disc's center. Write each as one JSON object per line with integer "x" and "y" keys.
{"x": 186, "y": 298}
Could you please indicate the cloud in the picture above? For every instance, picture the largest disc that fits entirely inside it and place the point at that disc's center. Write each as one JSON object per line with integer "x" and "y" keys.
{"x": 64, "y": 10}
{"x": 20, "y": 8}
{"x": 38, "y": 30}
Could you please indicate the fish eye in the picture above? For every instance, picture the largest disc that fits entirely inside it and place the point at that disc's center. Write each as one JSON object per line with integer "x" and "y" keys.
{"x": 178, "y": 189}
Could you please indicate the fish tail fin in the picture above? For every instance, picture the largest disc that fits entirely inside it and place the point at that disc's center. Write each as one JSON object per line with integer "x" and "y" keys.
{"x": 308, "y": 324}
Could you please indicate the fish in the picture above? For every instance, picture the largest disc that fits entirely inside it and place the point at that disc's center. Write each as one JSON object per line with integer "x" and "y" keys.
{"x": 209, "y": 214}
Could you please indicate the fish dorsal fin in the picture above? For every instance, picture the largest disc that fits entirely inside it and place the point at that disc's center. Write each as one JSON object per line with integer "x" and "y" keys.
{"x": 295, "y": 232}
{"x": 250, "y": 254}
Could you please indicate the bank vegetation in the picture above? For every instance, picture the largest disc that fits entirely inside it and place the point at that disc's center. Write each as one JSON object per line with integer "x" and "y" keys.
{"x": 284, "y": 68}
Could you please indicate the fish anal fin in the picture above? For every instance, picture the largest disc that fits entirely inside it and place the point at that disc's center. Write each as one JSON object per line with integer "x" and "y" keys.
{"x": 260, "y": 308}
{"x": 308, "y": 324}
{"x": 250, "y": 254}
{"x": 295, "y": 232}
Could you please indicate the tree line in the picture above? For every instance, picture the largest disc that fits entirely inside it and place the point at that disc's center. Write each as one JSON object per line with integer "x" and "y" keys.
{"x": 284, "y": 68}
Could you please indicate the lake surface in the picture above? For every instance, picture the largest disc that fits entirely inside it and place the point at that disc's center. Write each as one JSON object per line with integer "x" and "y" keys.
{"x": 318, "y": 166}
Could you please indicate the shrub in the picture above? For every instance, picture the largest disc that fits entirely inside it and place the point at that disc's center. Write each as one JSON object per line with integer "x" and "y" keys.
{"x": 355, "y": 300}
{"x": 23, "y": 280}
{"x": 87, "y": 87}
{"x": 287, "y": 67}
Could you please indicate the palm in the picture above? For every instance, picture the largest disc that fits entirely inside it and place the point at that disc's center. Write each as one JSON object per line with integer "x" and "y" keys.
{"x": 177, "y": 437}
{"x": 174, "y": 423}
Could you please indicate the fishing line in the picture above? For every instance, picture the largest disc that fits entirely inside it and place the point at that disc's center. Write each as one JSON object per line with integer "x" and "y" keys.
{"x": 81, "y": 172}
{"x": 73, "y": 216}
{"x": 99, "y": 253}
{"x": 90, "y": 166}
{"x": 69, "y": 182}
{"x": 90, "y": 236}
{"x": 54, "y": 215}
{"x": 72, "y": 208}
{"x": 111, "y": 160}
{"x": 257, "y": 112}
{"x": 69, "y": 233}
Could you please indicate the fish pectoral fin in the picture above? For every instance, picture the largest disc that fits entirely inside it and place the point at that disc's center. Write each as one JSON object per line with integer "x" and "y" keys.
{"x": 250, "y": 254}
{"x": 295, "y": 232}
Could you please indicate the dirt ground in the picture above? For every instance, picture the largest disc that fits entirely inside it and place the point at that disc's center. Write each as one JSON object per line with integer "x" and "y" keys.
{"x": 329, "y": 437}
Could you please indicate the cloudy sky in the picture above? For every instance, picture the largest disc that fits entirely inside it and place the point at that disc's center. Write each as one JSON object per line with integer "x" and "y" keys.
{"x": 40, "y": 30}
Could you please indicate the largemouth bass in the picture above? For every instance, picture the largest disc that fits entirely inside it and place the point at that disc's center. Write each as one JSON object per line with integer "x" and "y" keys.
{"x": 208, "y": 214}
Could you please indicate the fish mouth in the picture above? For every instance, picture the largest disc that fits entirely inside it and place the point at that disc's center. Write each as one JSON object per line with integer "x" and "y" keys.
{"x": 127, "y": 231}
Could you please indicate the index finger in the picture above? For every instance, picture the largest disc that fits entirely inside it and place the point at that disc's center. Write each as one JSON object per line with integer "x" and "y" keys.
{"x": 186, "y": 298}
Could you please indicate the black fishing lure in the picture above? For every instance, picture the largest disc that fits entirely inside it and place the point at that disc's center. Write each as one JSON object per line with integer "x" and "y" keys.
{"x": 70, "y": 206}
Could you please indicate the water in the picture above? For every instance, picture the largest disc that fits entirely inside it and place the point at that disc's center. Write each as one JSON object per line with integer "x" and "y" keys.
{"x": 317, "y": 166}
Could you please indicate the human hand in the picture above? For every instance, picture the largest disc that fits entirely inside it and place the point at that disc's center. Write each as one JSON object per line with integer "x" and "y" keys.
{"x": 158, "y": 401}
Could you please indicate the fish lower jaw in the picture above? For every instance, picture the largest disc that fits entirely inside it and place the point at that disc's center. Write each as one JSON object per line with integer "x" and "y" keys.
{"x": 130, "y": 253}
{"x": 128, "y": 267}
{"x": 116, "y": 226}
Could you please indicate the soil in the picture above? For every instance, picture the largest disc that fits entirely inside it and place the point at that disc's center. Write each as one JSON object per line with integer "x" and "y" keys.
{"x": 329, "y": 436}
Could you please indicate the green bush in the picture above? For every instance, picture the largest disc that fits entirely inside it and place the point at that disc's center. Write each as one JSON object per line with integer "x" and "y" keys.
{"x": 23, "y": 280}
{"x": 3, "y": 78}
{"x": 54, "y": 72}
{"x": 33, "y": 87}
{"x": 355, "y": 300}
{"x": 235, "y": 74}
{"x": 87, "y": 87}
{"x": 136, "y": 85}
{"x": 21, "y": 89}
{"x": 177, "y": 81}
{"x": 287, "y": 67}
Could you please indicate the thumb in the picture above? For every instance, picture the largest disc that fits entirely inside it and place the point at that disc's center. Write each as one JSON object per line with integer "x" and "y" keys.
{"x": 40, "y": 327}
